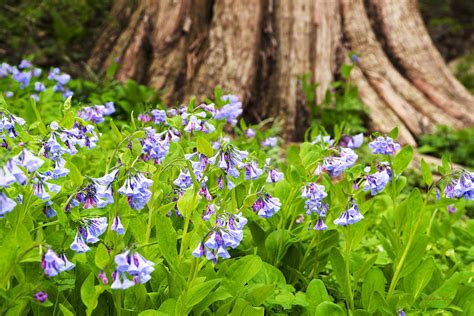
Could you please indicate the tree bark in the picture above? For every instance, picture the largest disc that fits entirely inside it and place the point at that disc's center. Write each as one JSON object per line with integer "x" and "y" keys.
{"x": 260, "y": 49}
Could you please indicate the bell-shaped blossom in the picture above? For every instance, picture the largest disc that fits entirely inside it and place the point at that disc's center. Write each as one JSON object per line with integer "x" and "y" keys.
{"x": 269, "y": 142}
{"x": 28, "y": 160}
{"x": 266, "y": 206}
{"x": 117, "y": 226}
{"x": 335, "y": 165}
{"x": 323, "y": 139}
{"x": 350, "y": 216}
{"x": 6, "y": 204}
{"x": 384, "y": 146}
{"x": 134, "y": 265}
{"x": 313, "y": 194}
{"x": 229, "y": 159}
{"x": 95, "y": 114}
{"x": 320, "y": 225}
{"x": 53, "y": 264}
{"x": 159, "y": 116}
{"x": 252, "y": 171}
{"x": 226, "y": 232}
{"x": 42, "y": 188}
{"x": 184, "y": 179}
{"x": 48, "y": 210}
{"x": 231, "y": 111}
{"x": 137, "y": 189}
{"x": 355, "y": 141}
{"x": 41, "y": 296}
{"x": 103, "y": 277}
{"x": 250, "y": 133}
{"x": 462, "y": 187}
{"x": 377, "y": 181}
{"x": 79, "y": 245}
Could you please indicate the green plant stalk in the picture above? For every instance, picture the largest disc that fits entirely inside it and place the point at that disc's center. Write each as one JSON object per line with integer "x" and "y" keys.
{"x": 350, "y": 294}
{"x": 411, "y": 238}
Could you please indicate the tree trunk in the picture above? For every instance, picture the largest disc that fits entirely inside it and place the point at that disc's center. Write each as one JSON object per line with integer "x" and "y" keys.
{"x": 259, "y": 49}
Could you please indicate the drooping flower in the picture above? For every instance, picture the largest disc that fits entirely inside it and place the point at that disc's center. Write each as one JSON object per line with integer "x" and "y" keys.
{"x": 462, "y": 187}
{"x": 250, "y": 133}
{"x": 28, "y": 160}
{"x": 384, "y": 146}
{"x": 266, "y": 206}
{"x": 252, "y": 171}
{"x": 137, "y": 189}
{"x": 320, "y": 225}
{"x": 226, "y": 232}
{"x": 103, "y": 277}
{"x": 41, "y": 296}
{"x": 377, "y": 181}
{"x": 323, "y": 139}
{"x": 184, "y": 179}
{"x": 313, "y": 194}
{"x": 231, "y": 111}
{"x": 117, "y": 226}
{"x": 352, "y": 141}
{"x": 452, "y": 209}
{"x": 350, "y": 216}
{"x": 269, "y": 142}
{"x": 134, "y": 265}
{"x": 53, "y": 264}
{"x": 229, "y": 159}
{"x": 335, "y": 165}
{"x": 6, "y": 204}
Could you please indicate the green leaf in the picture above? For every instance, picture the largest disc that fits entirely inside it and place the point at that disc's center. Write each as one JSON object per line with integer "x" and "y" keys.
{"x": 328, "y": 308}
{"x": 316, "y": 293}
{"x": 89, "y": 295}
{"x": 277, "y": 244}
{"x": 402, "y": 159}
{"x": 66, "y": 312}
{"x": 256, "y": 294}
{"x": 187, "y": 203}
{"x": 199, "y": 292}
{"x": 243, "y": 308}
{"x": 204, "y": 147}
{"x": 102, "y": 257}
{"x": 373, "y": 282}
{"x": 240, "y": 272}
{"x": 415, "y": 282}
{"x": 218, "y": 295}
{"x": 74, "y": 173}
{"x": 442, "y": 297}
{"x": 339, "y": 267}
{"x": 426, "y": 172}
{"x": 68, "y": 120}
{"x": 166, "y": 238}
{"x": 118, "y": 136}
{"x": 41, "y": 126}
{"x": 393, "y": 133}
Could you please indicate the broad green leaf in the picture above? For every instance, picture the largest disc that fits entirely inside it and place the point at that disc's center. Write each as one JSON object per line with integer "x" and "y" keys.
{"x": 339, "y": 268}
{"x": 373, "y": 282}
{"x": 187, "y": 203}
{"x": 218, "y": 295}
{"x": 199, "y": 292}
{"x": 256, "y": 294}
{"x": 402, "y": 159}
{"x": 415, "y": 282}
{"x": 74, "y": 173}
{"x": 442, "y": 297}
{"x": 166, "y": 238}
{"x": 426, "y": 172}
{"x": 316, "y": 293}
{"x": 118, "y": 136}
{"x": 328, "y": 308}
{"x": 393, "y": 133}
{"x": 204, "y": 147}
{"x": 102, "y": 257}
{"x": 277, "y": 244}
{"x": 241, "y": 271}
{"x": 89, "y": 295}
{"x": 243, "y": 308}
{"x": 66, "y": 312}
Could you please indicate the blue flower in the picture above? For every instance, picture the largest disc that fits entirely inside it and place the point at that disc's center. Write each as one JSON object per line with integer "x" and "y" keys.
{"x": 320, "y": 225}
{"x": 79, "y": 245}
{"x": 117, "y": 226}
{"x": 24, "y": 64}
{"x": 6, "y": 204}
{"x": 250, "y": 133}
{"x": 252, "y": 171}
{"x": 137, "y": 189}
{"x": 384, "y": 146}
{"x": 231, "y": 111}
{"x": 352, "y": 141}
{"x": 48, "y": 210}
{"x": 134, "y": 265}
{"x": 53, "y": 264}
{"x": 229, "y": 159}
{"x": 39, "y": 86}
{"x": 377, "y": 181}
{"x": 461, "y": 187}
{"x": 266, "y": 206}
{"x": 184, "y": 179}
{"x": 23, "y": 78}
{"x": 313, "y": 194}
{"x": 350, "y": 216}
{"x": 269, "y": 142}
{"x": 335, "y": 165}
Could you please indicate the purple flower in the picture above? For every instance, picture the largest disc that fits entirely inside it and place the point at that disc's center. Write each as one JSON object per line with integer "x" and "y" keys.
{"x": 159, "y": 116}
{"x": 95, "y": 114}
{"x": 350, "y": 216}
{"x": 269, "y": 142}
{"x": 48, "y": 210}
{"x": 137, "y": 189}
{"x": 39, "y": 86}
{"x": 231, "y": 111}
{"x": 23, "y": 78}
{"x": 384, "y": 146}
{"x": 335, "y": 165}
{"x": 103, "y": 277}
{"x": 41, "y": 296}
{"x": 452, "y": 209}
{"x": 266, "y": 206}
{"x": 461, "y": 187}
{"x": 134, "y": 265}
{"x": 320, "y": 225}
{"x": 24, "y": 64}
{"x": 229, "y": 159}
{"x": 184, "y": 179}
{"x": 377, "y": 181}
{"x": 53, "y": 264}
{"x": 250, "y": 133}
{"x": 313, "y": 194}
{"x": 79, "y": 245}
{"x": 117, "y": 226}
{"x": 321, "y": 139}
{"x": 352, "y": 141}
{"x": 252, "y": 171}
{"x": 6, "y": 204}
{"x": 9, "y": 94}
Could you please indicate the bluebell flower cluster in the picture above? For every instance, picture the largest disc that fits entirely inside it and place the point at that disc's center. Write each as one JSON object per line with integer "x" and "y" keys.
{"x": 227, "y": 232}
{"x": 269, "y": 142}
{"x": 137, "y": 190}
{"x": 131, "y": 264}
{"x": 349, "y": 141}
{"x": 95, "y": 114}
{"x": 266, "y": 206}
{"x": 384, "y": 146}
{"x": 155, "y": 146}
{"x": 462, "y": 187}
{"x": 350, "y": 216}
{"x": 273, "y": 175}
{"x": 313, "y": 194}
{"x": 53, "y": 264}
{"x": 89, "y": 232}
{"x": 98, "y": 193}
{"x": 231, "y": 111}
{"x": 335, "y": 165}
{"x": 229, "y": 159}
{"x": 252, "y": 171}
{"x": 117, "y": 226}
{"x": 377, "y": 181}
{"x": 25, "y": 74}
